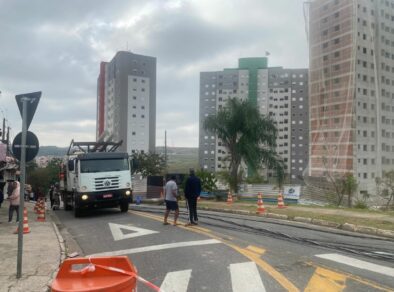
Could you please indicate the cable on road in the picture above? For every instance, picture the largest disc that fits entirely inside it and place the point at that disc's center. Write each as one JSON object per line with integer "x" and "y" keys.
{"x": 382, "y": 254}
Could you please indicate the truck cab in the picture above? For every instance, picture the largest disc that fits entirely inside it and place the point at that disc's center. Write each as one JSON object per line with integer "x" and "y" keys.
{"x": 97, "y": 180}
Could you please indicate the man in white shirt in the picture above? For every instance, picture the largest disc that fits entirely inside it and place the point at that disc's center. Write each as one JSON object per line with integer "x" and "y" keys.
{"x": 171, "y": 194}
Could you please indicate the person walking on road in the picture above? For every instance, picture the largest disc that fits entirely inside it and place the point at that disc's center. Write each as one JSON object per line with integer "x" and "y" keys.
{"x": 14, "y": 202}
{"x": 51, "y": 190}
{"x": 171, "y": 199}
{"x": 10, "y": 187}
{"x": 192, "y": 193}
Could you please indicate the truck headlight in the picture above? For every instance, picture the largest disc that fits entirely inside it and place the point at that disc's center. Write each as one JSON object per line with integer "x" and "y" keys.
{"x": 84, "y": 188}
{"x": 128, "y": 193}
{"x": 84, "y": 197}
{"x": 128, "y": 184}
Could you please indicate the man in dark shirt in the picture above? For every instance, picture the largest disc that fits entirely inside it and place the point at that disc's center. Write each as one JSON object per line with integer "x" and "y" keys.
{"x": 192, "y": 193}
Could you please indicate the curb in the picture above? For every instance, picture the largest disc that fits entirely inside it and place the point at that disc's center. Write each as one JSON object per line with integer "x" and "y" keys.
{"x": 61, "y": 258}
{"x": 345, "y": 226}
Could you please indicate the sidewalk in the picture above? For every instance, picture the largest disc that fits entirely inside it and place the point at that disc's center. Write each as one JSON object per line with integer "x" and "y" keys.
{"x": 41, "y": 252}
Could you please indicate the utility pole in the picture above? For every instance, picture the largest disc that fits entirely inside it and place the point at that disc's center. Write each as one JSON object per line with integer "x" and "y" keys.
{"x": 7, "y": 140}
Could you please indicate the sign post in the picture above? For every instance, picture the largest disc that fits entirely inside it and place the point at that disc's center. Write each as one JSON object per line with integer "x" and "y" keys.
{"x": 27, "y": 104}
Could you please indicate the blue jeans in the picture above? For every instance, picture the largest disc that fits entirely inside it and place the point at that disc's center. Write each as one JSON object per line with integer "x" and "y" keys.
{"x": 11, "y": 211}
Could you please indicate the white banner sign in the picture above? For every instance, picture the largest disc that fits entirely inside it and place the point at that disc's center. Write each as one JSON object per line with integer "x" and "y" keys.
{"x": 292, "y": 192}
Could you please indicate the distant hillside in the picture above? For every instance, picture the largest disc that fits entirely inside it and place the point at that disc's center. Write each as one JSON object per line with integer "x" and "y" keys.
{"x": 180, "y": 159}
{"x": 52, "y": 151}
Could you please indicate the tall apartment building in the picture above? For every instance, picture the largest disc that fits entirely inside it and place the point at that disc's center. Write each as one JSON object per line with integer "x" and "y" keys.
{"x": 278, "y": 92}
{"x": 351, "y": 88}
{"x": 126, "y": 101}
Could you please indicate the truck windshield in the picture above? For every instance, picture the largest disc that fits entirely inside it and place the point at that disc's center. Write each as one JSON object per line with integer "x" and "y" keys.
{"x": 104, "y": 165}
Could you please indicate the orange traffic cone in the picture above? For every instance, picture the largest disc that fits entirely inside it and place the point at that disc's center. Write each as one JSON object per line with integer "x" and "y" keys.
{"x": 26, "y": 228}
{"x": 41, "y": 212}
{"x": 281, "y": 204}
{"x": 260, "y": 204}
{"x": 229, "y": 198}
{"x": 36, "y": 206}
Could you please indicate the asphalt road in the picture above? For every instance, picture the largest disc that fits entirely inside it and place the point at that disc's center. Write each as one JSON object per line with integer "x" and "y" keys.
{"x": 235, "y": 253}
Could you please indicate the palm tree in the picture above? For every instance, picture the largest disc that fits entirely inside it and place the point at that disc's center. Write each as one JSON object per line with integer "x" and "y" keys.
{"x": 248, "y": 136}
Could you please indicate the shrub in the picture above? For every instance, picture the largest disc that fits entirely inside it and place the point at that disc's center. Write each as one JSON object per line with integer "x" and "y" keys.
{"x": 360, "y": 204}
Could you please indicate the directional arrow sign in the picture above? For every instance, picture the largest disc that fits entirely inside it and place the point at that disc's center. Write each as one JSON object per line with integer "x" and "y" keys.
{"x": 116, "y": 230}
{"x": 32, "y": 101}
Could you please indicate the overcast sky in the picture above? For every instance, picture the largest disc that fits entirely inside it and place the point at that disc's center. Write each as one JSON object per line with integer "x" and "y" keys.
{"x": 56, "y": 47}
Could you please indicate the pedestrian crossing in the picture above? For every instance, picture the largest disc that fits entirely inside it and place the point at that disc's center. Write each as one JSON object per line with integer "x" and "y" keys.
{"x": 244, "y": 277}
{"x": 363, "y": 265}
{"x": 176, "y": 281}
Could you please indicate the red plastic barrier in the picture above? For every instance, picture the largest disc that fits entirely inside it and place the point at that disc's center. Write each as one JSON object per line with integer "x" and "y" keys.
{"x": 110, "y": 274}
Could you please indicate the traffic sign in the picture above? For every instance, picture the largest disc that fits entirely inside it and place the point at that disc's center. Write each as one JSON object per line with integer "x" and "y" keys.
{"x": 32, "y": 102}
{"x": 32, "y": 146}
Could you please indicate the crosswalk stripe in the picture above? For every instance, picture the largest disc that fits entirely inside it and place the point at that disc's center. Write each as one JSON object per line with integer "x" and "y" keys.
{"x": 358, "y": 264}
{"x": 176, "y": 281}
{"x": 246, "y": 277}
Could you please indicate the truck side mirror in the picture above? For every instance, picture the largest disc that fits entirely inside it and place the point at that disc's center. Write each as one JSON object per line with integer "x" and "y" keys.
{"x": 70, "y": 165}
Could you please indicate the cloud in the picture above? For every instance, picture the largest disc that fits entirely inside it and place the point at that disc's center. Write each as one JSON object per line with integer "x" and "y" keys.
{"x": 56, "y": 46}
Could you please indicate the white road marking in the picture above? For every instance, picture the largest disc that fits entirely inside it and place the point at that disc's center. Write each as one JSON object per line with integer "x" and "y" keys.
{"x": 358, "y": 263}
{"x": 176, "y": 281}
{"x": 157, "y": 247}
{"x": 246, "y": 277}
{"x": 117, "y": 234}
{"x": 383, "y": 253}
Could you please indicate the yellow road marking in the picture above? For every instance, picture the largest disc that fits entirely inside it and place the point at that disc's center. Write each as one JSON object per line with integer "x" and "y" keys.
{"x": 354, "y": 278}
{"x": 326, "y": 280}
{"x": 252, "y": 255}
{"x": 256, "y": 249}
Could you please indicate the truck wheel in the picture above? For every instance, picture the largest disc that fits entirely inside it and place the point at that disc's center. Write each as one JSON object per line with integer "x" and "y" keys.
{"x": 124, "y": 207}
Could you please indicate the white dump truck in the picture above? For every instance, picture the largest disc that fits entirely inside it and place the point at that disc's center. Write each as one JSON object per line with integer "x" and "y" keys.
{"x": 94, "y": 175}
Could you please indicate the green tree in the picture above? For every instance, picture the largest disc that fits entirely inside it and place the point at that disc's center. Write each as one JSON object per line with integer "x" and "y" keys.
{"x": 208, "y": 180}
{"x": 42, "y": 178}
{"x": 248, "y": 136}
{"x": 349, "y": 186}
{"x": 148, "y": 163}
{"x": 385, "y": 186}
